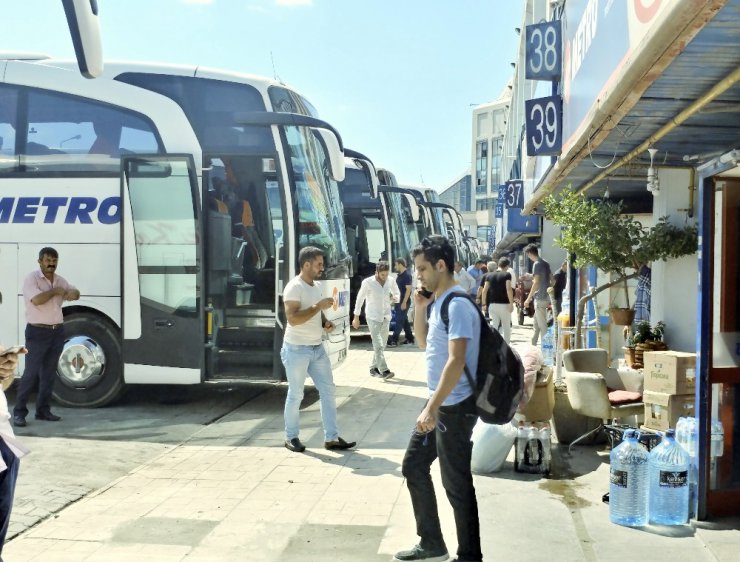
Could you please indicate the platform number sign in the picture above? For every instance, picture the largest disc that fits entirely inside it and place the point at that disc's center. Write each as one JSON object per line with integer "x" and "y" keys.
{"x": 514, "y": 194}
{"x": 543, "y": 51}
{"x": 544, "y": 125}
{"x": 499, "y": 208}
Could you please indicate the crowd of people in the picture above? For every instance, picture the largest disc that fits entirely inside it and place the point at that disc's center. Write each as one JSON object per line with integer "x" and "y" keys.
{"x": 443, "y": 428}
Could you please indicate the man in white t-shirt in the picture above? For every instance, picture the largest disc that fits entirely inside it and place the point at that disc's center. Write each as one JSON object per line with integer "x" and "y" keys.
{"x": 303, "y": 354}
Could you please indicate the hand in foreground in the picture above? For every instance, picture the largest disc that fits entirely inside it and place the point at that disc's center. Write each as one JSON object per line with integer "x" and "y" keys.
{"x": 427, "y": 420}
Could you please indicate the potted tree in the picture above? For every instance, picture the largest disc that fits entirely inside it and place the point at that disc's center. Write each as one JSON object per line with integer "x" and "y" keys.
{"x": 599, "y": 234}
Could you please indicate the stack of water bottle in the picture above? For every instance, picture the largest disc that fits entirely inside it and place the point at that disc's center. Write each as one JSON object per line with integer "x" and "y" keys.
{"x": 659, "y": 486}
{"x": 533, "y": 448}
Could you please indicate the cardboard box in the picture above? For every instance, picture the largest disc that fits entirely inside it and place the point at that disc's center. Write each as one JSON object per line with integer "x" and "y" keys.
{"x": 663, "y": 410}
{"x": 665, "y": 371}
{"x": 540, "y": 406}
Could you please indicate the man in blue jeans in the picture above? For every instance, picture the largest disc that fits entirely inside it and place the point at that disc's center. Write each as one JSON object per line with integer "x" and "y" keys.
{"x": 444, "y": 428}
{"x": 403, "y": 282}
{"x": 303, "y": 353}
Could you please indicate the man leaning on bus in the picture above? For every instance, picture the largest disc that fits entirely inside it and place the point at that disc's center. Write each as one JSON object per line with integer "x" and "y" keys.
{"x": 303, "y": 352}
{"x": 43, "y": 292}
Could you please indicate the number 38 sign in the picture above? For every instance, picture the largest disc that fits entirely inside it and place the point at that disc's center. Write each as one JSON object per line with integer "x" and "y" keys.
{"x": 543, "y": 51}
{"x": 544, "y": 127}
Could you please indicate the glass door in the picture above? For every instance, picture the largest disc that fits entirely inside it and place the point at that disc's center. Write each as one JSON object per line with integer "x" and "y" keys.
{"x": 718, "y": 395}
{"x": 162, "y": 312}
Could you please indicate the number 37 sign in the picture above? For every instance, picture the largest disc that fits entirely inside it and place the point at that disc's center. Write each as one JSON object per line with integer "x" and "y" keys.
{"x": 544, "y": 127}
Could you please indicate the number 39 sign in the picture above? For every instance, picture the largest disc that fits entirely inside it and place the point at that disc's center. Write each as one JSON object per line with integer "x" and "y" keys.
{"x": 544, "y": 127}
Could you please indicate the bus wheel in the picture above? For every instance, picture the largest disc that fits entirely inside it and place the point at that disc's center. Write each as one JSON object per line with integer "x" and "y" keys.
{"x": 89, "y": 372}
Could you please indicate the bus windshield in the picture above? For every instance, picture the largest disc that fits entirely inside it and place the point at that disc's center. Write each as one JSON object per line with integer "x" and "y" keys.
{"x": 320, "y": 222}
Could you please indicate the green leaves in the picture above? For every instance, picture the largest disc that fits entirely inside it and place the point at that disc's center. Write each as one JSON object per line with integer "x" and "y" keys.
{"x": 599, "y": 234}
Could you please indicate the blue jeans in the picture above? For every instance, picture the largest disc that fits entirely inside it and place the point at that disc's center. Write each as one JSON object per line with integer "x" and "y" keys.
{"x": 7, "y": 489}
{"x": 454, "y": 449}
{"x": 402, "y": 323}
{"x": 301, "y": 361}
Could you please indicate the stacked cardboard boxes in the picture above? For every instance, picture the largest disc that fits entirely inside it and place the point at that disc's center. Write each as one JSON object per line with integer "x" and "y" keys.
{"x": 670, "y": 382}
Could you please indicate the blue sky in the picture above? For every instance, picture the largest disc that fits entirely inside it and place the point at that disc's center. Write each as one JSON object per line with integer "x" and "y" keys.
{"x": 395, "y": 77}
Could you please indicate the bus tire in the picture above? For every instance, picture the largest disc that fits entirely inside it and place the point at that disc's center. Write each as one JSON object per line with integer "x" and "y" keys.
{"x": 89, "y": 372}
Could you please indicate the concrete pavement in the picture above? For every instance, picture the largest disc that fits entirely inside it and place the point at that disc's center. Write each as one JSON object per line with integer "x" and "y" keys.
{"x": 233, "y": 492}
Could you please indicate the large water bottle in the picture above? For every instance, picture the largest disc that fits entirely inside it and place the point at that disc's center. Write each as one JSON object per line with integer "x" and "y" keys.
{"x": 521, "y": 445}
{"x": 548, "y": 346}
{"x": 628, "y": 487}
{"x": 669, "y": 482}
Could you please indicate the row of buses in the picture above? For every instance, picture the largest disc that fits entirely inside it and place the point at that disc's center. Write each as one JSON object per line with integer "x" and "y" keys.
{"x": 178, "y": 198}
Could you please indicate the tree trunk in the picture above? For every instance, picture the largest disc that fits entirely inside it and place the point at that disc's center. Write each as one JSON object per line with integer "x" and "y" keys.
{"x": 595, "y": 291}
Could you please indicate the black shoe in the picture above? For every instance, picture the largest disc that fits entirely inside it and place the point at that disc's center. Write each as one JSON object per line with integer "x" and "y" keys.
{"x": 409, "y": 342}
{"x": 19, "y": 421}
{"x": 46, "y": 416}
{"x": 339, "y": 444}
{"x": 388, "y": 374}
{"x": 375, "y": 372}
{"x": 419, "y": 553}
{"x": 295, "y": 445}
{"x": 392, "y": 344}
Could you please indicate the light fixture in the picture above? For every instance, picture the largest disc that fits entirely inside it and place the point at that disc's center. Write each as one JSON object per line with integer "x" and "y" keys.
{"x": 653, "y": 183}
{"x": 517, "y": 30}
{"x": 606, "y": 191}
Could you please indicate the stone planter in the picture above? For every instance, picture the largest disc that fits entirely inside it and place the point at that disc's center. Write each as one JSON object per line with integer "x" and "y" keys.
{"x": 569, "y": 425}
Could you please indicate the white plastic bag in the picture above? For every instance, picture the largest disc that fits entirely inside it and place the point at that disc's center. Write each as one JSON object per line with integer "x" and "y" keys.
{"x": 491, "y": 446}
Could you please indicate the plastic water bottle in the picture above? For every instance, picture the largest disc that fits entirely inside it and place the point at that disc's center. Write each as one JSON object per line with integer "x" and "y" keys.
{"x": 544, "y": 436}
{"x": 521, "y": 445}
{"x": 669, "y": 482}
{"x": 682, "y": 432}
{"x": 628, "y": 487}
{"x": 548, "y": 346}
{"x": 533, "y": 453}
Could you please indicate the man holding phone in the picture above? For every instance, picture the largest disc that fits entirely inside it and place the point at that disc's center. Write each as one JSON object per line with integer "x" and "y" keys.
{"x": 10, "y": 450}
{"x": 303, "y": 353}
{"x": 44, "y": 293}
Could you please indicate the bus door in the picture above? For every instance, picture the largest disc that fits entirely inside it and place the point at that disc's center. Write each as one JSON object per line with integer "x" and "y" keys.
{"x": 244, "y": 257}
{"x": 163, "y": 339}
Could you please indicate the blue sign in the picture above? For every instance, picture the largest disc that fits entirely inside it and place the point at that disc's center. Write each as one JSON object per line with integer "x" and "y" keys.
{"x": 596, "y": 40}
{"x": 498, "y": 210}
{"x": 544, "y": 125}
{"x": 543, "y": 56}
{"x": 514, "y": 194}
{"x": 528, "y": 224}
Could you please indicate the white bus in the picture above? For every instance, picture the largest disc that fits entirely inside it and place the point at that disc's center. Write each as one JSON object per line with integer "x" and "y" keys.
{"x": 178, "y": 199}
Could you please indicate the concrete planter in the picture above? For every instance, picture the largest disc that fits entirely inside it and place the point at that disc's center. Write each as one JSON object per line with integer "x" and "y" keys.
{"x": 569, "y": 425}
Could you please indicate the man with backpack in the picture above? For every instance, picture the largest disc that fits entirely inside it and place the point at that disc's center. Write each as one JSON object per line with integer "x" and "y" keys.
{"x": 445, "y": 425}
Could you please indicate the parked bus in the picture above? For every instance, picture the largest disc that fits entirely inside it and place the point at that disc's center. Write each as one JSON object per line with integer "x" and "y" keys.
{"x": 366, "y": 219}
{"x": 178, "y": 199}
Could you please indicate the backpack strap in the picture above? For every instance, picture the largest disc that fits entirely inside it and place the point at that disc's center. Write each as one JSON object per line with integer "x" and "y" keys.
{"x": 444, "y": 314}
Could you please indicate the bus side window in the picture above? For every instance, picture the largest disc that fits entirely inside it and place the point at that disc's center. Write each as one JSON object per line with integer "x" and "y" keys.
{"x": 8, "y": 126}
{"x": 69, "y": 135}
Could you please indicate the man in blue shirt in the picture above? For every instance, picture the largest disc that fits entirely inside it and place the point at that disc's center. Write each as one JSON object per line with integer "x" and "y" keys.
{"x": 404, "y": 282}
{"x": 477, "y": 273}
{"x": 443, "y": 429}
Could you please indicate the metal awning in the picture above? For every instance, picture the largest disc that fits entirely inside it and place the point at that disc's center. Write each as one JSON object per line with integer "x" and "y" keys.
{"x": 684, "y": 101}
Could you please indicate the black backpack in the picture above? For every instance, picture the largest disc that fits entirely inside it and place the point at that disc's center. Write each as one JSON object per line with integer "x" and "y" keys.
{"x": 499, "y": 380}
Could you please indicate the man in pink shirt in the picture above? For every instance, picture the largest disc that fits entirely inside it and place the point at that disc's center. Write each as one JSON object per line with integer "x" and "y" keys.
{"x": 44, "y": 292}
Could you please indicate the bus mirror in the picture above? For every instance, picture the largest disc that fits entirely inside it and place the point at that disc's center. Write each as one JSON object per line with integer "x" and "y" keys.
{"x": 413, "y": 207}
{"x": 84, "y": 26}
{"x": 334, "y": 152}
